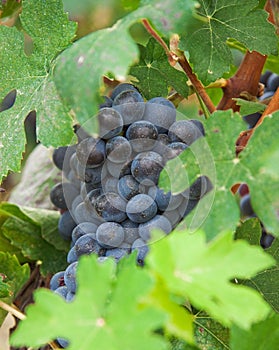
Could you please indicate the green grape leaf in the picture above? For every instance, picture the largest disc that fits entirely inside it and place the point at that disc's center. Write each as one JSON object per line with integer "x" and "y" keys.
{"x": 110, "y": 50}
{"x": 16, "y": 276}
{"x": 193, "y": 270}
{"x": 34, "y": 233}
{"x": 217, "y": 21}
{"x": 154, "y": 74}
{"x": 249, "y": 107}
{"x": 266, "y": 282}
{"x": 263, "y": 335}
{"x": 30, "y": 76}
{"x": 101, "y": 310}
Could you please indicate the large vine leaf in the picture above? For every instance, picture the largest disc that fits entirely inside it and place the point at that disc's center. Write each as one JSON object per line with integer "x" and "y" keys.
{"x": 15, "y": 276}
{"x": 51, "y": 32}
{"x": 217, "y": 21}
{"x": 154, "y": 74}
{"x": 191, "y": 268}
{"x": 110, "y": 50}
{"x": 104, "y": 314}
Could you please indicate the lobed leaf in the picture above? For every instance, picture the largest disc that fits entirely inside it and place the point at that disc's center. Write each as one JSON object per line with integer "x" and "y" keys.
{"x": 192, "y": 269}
{"x": 98, "y": 315}
{"x": 30, "y": 76}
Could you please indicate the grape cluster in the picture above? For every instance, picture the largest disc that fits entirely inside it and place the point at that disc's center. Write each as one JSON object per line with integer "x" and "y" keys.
{"x": 271, "y": 83}
{"x": 110, "y": 199}
{"x": 247, "y": 212}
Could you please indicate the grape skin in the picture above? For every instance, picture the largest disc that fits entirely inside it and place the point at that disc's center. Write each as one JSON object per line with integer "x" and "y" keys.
{"x": 110, "y": 235}
{"x": 141, "y": 208}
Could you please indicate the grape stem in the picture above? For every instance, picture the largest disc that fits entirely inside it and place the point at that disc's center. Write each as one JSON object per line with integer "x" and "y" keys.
{"x": 179, "y": 57}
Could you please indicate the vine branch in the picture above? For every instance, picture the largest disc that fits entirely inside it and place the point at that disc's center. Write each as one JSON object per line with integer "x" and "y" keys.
{"x": 179, "y": 57}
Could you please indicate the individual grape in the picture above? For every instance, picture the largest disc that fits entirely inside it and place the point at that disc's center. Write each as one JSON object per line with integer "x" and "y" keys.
{"x": 128, "y": 187}
{"x": 131, "y": 106}
{"x": 70, "y": 277}
{"x": 57, "y": 280}
{"x": 62, "y": 291}
{"x": 66, "y": 224}
{"x": 266, "y": 240}
{"x": 183, "y": 131}
{"x": 110, "y": 235}
{"x": 173, "y": 149}
{"x": 272, "y": 82}
{"x": 110, "y": 123}
{"x": 111, "y": 207}
{"x": 72, "y": 256}
{"x": 118, "y": 149}
{"x": 142, "y": 250}
{"x": 246, "y": 206}
{"x": 141, "y": 208}
{"x": 158, "y": 222}
{"x": 122, "y": 87}
{"x": 146, "y": 167}
{"x": 199, "y": 188}
{"x": 131, "y": 232}
{"x": 161, "y": 112}
{"x": 61, "y": 157}
{"x": 91, "y": 152}
{"x": 87, "y": 244}
{"x": 142, "y": 135}
{"x": 82, "y": 229}
{"x": 63, "y": 194}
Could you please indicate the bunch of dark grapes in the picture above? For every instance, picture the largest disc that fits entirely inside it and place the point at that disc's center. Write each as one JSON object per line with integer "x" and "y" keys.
{"x": 110, "y": 199}
{"x": 271, "y": 83}
{"x": 247, "y": 212}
